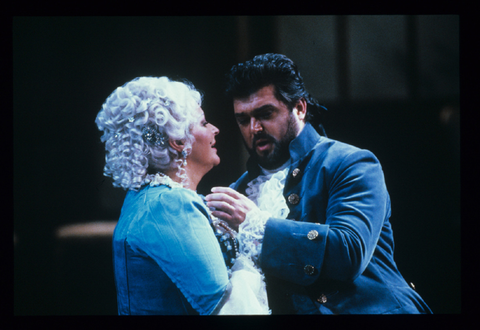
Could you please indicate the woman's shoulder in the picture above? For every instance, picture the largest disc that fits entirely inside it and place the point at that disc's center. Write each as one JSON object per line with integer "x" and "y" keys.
{"x": 172, "y": 200}
{"x": 163, "y": 207}
{"x": 162, "y": 192}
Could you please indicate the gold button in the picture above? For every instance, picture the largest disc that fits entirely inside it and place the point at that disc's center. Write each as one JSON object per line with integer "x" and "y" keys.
{"x": 412, "y": 285}
{"x": 312, "y": 234}
{"x": 293, "y": 199}
{"x": 322, "y": 299}
{"x": 295, "y": 172}
{"x": 309, "y": 270}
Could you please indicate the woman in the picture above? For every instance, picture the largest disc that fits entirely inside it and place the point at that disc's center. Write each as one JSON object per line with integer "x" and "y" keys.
{"x": 167, "y": 258}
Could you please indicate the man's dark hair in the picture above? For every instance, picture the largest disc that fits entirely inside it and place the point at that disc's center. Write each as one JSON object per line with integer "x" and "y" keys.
{"x": 278, "y": 70}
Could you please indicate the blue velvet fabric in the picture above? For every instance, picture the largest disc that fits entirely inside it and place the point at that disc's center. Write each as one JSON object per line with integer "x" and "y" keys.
{"x": 167, "y": 260}
{"x": 343, "y": 197}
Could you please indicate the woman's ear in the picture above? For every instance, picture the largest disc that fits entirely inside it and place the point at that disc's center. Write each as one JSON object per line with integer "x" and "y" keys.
{"x": 178, "y": 145}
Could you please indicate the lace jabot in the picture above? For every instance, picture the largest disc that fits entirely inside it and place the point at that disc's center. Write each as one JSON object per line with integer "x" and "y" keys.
{"x": 266, "y": 191}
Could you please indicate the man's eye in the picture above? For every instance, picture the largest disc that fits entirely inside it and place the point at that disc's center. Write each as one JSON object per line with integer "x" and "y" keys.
{"x": 265, "y": 115}
{"x": 242, "y": 121}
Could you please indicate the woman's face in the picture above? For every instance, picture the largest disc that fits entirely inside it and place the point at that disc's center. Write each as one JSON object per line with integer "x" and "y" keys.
{"x": 203, "y": 151}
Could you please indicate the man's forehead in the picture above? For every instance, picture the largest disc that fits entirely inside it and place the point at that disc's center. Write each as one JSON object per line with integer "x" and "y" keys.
{"x": 256, "y": 100}
{"x": 265, "y": 91}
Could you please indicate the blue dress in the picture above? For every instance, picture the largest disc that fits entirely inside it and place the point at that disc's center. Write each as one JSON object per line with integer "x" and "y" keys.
{"x": 167, "y": 260}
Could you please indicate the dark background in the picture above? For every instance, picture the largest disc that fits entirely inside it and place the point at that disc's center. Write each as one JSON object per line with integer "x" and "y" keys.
{"x": 391, "y": 84}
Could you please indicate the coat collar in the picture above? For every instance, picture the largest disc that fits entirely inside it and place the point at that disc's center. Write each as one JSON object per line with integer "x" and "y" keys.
{"x": 303, "y": 143}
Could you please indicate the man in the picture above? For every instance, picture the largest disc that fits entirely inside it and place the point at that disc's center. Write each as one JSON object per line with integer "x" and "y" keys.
{"x": 323, "y": 207}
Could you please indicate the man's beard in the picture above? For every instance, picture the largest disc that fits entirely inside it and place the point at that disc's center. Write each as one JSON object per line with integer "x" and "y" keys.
{"x": 280, "y": 153}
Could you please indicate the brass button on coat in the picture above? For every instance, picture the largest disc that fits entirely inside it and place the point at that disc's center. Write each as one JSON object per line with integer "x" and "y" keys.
{"x": 309, "y": 270}
{"x": 293, "y": 199}
{"x": 295, "y": 172}
{"x": 322, "y": 299}
{"x": 312, "y": 234}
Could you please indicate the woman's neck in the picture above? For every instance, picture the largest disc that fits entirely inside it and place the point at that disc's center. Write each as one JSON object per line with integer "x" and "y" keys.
{"x": 193, "y": 176}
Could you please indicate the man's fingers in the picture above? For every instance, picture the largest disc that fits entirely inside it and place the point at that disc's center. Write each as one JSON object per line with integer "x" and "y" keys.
{"x": 221, "y": 206}
{"x": 229, "y": 205}
{"x": 219, "y": 197}
{"x": 222, "y": 215}
{"x": 226, "y": 190}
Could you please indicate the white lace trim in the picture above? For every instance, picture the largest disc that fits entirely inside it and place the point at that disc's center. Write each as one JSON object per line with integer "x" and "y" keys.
{"x": 250, "y": 234}
{"x": 159, "y": 179}
{"x": 266, "y": 191}
{"x": 248, "y": 292}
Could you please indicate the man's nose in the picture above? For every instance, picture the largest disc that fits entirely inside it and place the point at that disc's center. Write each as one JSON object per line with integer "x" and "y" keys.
{"x": 255, "y": 125}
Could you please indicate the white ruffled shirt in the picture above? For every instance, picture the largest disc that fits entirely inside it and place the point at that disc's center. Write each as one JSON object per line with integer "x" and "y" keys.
{"x": 248, "y": 291}
{"x": 266, "y": 191}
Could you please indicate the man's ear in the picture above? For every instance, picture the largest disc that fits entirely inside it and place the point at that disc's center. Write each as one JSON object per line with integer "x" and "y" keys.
{"x": 301, "y": 109}
{"x": 178, "y": 145}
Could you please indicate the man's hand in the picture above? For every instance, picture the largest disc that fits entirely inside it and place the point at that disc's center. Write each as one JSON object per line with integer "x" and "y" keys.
{"x": 229, "y": 205}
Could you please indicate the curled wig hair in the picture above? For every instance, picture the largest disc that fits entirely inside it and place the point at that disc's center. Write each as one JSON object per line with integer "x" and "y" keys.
{"x": 164, "y": 105}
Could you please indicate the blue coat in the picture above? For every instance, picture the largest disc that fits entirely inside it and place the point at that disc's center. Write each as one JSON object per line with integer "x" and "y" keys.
{"x": 167, "y": 259}
{"x": 334, "y": 252}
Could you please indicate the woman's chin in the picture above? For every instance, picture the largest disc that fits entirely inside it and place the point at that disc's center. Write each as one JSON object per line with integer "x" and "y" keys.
{"x": 213, "y": 163}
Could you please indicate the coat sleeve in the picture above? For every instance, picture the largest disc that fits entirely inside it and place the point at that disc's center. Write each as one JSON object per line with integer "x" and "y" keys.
{"x": 341, "y": 248}
{"x": 178, "y": 236}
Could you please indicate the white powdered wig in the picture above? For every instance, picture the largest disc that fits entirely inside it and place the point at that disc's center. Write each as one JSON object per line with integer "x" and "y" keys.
{"x": 159, "y": 103}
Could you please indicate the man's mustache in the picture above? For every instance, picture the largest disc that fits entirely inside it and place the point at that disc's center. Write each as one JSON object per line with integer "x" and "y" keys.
{"x": 262, "y": 136}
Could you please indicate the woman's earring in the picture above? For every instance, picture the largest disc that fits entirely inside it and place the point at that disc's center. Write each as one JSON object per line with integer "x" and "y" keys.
{"x": 184, "y": 155}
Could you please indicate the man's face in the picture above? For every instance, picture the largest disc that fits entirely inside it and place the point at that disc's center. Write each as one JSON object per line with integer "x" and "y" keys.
{"x": 268, "y": 126}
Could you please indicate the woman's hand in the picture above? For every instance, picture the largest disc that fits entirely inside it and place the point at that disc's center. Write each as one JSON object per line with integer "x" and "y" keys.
{"x": 229, "y": 205}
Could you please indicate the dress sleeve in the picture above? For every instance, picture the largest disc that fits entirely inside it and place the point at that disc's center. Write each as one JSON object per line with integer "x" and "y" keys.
{"x": 178, "y": 236}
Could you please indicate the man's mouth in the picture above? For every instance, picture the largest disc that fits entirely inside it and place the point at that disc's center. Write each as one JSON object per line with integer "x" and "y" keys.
{"x": 262, "y": 144}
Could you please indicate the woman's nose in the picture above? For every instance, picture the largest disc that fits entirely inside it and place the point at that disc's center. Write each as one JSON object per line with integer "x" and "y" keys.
{"x": 215, "y": 130}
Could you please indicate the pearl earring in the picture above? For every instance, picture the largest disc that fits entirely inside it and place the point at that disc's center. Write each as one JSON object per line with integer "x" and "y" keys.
{"x": 184, "y": 155}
